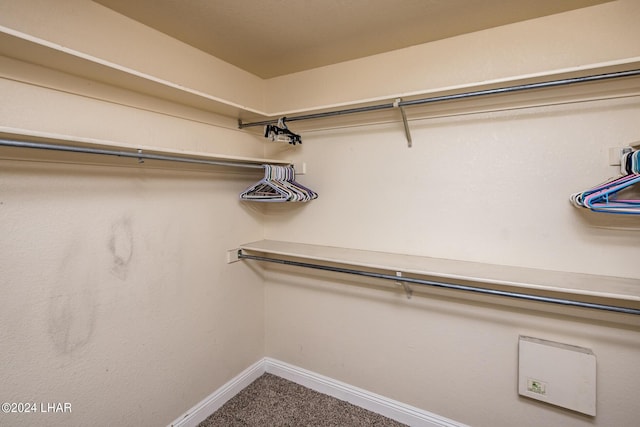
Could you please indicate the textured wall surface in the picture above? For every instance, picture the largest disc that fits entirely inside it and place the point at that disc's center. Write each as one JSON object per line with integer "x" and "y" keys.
{"x": 489, "y": 187}
{"x": 116, "y": 298}
{"x": 115, "y": 294}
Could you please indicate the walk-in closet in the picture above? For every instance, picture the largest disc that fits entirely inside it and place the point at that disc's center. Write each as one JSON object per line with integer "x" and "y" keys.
{"x": 430, "y": 210}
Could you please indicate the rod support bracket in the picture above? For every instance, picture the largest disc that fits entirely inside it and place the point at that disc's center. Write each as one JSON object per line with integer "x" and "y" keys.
{"x": 233, "y": 255}
{"x": 407, "y": 289}
{"x": 405, "y": 122}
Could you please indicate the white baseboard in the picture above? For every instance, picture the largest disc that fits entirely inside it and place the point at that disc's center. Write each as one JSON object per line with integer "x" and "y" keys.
{"x": 389, "y": 408}
{"x": 215, "y": 400}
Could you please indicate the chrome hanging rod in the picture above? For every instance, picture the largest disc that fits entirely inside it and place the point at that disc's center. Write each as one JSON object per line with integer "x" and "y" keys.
{"x": 456, "y": 96}
{"x": 118, "y": 153}
{"x": 445, "y": 285}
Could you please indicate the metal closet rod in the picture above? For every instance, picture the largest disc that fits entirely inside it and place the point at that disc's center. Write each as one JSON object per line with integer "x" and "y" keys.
{"x": 118, "y": 153}
{"x": 463, "y": 95}
{"x": 402, "y": 279}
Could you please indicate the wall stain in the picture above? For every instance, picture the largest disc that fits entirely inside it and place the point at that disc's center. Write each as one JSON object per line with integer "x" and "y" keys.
{"x": 72, "y": 321}
{"x": 72, "y": 306}
{"x": 121, "y": 247}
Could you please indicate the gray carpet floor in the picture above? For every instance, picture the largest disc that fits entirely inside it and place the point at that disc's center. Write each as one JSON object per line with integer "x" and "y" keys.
{"x": 272, "y": 401}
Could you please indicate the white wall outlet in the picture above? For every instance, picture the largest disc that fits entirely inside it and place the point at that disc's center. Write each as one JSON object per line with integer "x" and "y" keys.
{"x": 232, "y": 256}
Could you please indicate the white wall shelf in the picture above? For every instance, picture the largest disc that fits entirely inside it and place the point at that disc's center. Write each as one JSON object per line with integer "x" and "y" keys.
{"x": 485, "y": 275}
{"x": 31, "y": 49}
{"x": 41, "y": 52}
{"x": 81, "y": 142}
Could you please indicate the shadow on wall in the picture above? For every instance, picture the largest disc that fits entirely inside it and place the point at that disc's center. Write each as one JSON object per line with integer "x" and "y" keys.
{"x": 623, "y": 229}
{"x": 443, "y": 302}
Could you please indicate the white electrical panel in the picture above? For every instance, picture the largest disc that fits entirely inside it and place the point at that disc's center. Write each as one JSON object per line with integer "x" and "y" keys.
{"x": 559, "y": 374}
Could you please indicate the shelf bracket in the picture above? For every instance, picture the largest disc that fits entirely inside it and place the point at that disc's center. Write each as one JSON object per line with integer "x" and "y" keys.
{"x": 407, "y": 289}
{"x": 407, "y": 131}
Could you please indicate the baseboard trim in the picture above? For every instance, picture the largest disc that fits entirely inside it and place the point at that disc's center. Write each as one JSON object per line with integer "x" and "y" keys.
{"x": 215, "y": 400}
{"x": 389, "y": 408}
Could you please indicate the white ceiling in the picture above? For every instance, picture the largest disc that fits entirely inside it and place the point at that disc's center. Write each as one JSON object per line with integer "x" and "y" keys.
{"x": 275, "y": 37}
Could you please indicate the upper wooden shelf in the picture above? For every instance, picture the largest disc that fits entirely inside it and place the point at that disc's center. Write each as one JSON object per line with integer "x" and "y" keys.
{"x": 618, "y": 288}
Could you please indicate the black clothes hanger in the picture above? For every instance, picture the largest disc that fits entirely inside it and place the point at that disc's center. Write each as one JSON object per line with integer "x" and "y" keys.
{"x": 281, "y": 132}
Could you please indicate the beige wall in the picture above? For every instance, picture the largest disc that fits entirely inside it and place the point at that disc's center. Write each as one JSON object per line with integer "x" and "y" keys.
{"x": 92, "y": 31}
{"x": 586, "y": 38}
{"x": 490, "y": 187}
{"x": 116, "y": 296}
{"x": 114, "y": 48}
{"x": 113, "y": 297}
{"x": 487, "y": 187}
{"x": 455, "y": 358}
